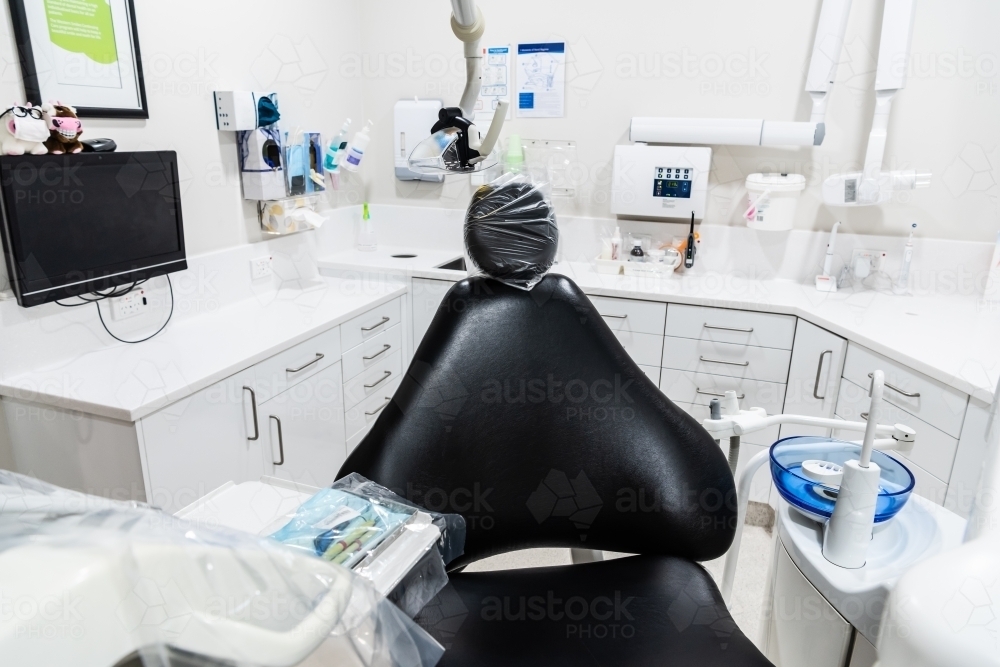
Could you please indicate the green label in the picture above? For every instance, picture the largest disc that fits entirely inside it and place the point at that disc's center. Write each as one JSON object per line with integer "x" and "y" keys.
{"x": 83, "y": 26}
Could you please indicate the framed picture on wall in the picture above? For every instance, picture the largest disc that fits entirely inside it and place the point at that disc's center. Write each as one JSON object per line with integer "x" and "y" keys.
{"x": 84, "y": 53}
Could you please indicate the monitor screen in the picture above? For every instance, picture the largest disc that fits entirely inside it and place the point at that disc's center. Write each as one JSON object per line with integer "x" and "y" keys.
{"x": 73, "y": 224}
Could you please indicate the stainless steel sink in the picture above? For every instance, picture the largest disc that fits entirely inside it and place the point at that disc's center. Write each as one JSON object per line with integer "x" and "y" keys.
{"x": 454, "y": 265}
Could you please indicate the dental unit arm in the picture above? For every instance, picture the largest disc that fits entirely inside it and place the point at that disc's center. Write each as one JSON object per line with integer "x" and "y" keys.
{"x": 732, "y": 422}
{"x": 873, "y": 185}
{"x": 461, "y": 148}
{"x": 827, "y": 47}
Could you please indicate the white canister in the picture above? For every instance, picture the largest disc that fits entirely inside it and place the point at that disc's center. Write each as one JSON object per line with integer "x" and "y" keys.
{"x": 773, "y": 199}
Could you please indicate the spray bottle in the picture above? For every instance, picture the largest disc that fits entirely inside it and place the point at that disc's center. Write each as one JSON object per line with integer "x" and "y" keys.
{"x": 366, "y": 237}
{"x": 356, "y": 150}
{"x": 331, "y": 161}
{"x": 903, "y": 284}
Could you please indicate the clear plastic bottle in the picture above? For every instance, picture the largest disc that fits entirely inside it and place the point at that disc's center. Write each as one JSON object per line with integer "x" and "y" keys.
{"x": 367, "y": 241}
{"x": 334, "y": 151}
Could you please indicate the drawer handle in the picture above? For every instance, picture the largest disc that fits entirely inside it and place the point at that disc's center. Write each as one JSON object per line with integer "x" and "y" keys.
{"x": 736, "y": 329}
{"x": 615, "y": 317}
{"x": 728, "y": 363}
{"x": 318, "y": 358}
{"x": 384, "y": 321}
{"x": 380, "y": 408}
{"x": 385, "y": 348}
{"x": 388, "y": 374}
{"x": 819, "y": 371}
{"x": 253, "y": 404}
{"x": 895, "y": 389}
{"x": 281, "y": 443}
{"x": 864, "y": 415}
{"x": 715, "y": 393}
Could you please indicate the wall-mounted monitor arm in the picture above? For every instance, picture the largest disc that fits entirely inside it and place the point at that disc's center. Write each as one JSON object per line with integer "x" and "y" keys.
{"x": 758, "y": 132}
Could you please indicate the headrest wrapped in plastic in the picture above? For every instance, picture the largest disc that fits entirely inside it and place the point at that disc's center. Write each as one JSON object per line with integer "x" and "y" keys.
{"x": 510, "y": 231}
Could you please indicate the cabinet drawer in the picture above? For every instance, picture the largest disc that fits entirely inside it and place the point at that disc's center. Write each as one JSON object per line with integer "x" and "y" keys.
{"x": 934, "y": 402}
{"x": 705, "y": 356}
{"x": 764, "y": 438}
{"x": 701, "y": 388}
{"x": 366, "y": 384}
{"x": 367, "y": 326}
{"x": 731, "y": 326}
{"x": 934, "y": 450}
{"x": 372, "y": 351}
{"x": 364, "y": 414}
{"x": 288, "y": 368}
{"x": 644, "y": 348}
{"x": 631, "y": 315}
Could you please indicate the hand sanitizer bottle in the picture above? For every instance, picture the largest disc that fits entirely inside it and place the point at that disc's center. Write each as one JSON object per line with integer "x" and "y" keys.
{"x": 356, "y": 151}
{"x": 331, "y": 160}
{"x": 366, "y": 237}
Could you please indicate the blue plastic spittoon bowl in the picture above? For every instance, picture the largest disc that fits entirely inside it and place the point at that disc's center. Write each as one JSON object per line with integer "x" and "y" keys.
{"x": 816, "y": 500}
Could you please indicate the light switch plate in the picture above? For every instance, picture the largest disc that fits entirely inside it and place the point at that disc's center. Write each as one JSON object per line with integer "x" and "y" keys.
{"x": 876, "y": 258}
{"x": 261, "y": 267}
{"x": 132, "y": 304}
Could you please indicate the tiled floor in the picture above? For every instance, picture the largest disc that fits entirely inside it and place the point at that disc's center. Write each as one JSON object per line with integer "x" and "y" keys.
{"x": 748, "y": 589}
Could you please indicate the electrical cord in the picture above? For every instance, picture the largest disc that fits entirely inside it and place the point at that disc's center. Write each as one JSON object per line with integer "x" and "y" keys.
{"x": 101, "y": 296}
{"x": 136, "y": 342}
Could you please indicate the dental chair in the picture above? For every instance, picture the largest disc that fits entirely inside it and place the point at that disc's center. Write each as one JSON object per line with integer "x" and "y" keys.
{"x": 522, "y": 412}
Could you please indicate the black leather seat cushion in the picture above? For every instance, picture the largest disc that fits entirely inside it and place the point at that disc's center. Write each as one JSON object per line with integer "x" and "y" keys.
{"x": 635, "y": 611}
{"x": 523, "y": 412}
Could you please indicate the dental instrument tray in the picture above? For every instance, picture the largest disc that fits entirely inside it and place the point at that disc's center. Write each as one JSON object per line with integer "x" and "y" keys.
{"x": 794, "y": 465}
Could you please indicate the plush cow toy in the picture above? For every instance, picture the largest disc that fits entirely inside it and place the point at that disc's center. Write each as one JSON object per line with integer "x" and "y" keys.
{"x": 22, "y": 130}
{"x": 64, "y": 128}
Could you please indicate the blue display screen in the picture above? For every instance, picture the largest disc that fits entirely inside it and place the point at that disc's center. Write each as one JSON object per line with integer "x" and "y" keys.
{"x": 673, "y": 182}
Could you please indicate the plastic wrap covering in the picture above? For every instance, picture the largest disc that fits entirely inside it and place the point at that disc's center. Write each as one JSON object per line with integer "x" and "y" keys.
{"x": 510, "y": 230}
{"x": 91, "y": 582}
{"x": 452, "y": 526}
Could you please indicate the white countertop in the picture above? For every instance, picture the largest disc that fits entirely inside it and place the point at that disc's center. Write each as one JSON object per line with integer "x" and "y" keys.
{"x": 952, "y": 339}
{"x": 128, "y": 382}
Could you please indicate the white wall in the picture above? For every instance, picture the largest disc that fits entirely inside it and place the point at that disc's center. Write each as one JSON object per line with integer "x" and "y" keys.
{"x": 945, "y": 121}
{"x": 192, "y": 47}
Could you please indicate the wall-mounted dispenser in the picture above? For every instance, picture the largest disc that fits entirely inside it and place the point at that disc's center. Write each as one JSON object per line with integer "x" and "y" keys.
{"x": 411, "y": 120}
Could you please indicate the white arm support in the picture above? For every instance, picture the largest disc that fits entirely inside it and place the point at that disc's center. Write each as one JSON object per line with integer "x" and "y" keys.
{"x": 758, "y": 132}
{"x": 468, "y": 24}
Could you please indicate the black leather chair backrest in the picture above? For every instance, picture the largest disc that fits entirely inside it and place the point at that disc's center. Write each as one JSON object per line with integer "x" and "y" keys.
{"x": 522, "y": 412}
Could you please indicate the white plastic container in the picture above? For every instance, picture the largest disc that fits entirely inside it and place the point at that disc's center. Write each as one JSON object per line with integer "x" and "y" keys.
{"x": 773, "y": 199}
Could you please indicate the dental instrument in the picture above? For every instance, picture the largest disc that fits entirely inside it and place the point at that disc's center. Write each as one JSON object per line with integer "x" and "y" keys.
{"x": 827, "y": 282}
{"x": 456, "y": 144}
{"x": 903, "y": 284}
{"x": 873, "y": 185}
{"x": 758, "y": 132}
{"x": 691, "y": 249}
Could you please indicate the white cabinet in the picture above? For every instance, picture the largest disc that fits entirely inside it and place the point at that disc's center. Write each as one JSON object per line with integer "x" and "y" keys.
{"x": 203, "y": 441}
{"x": 303, "y": 430}
{"x": 813, "y": 377}
{"x": 426, "y": 296}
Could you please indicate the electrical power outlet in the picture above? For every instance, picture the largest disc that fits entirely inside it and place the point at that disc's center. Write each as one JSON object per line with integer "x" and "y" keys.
{"x": 874, "y": 258}
{"x": 132, "y": 304}
{"x": 261, "y": 268}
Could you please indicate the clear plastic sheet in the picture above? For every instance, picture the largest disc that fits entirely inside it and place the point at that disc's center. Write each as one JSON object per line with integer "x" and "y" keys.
{"x": 452, "y": 526}
{"x": 91, "y": 582}
{"x": 510, "y": 230}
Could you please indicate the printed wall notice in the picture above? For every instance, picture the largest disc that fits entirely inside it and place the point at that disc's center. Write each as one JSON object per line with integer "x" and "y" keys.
{"x": 541, "y": 80}
{"x": 496, "y": 82}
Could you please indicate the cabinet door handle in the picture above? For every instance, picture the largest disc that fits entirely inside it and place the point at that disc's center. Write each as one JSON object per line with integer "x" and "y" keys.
{"x": 728, "y": 363}
{"x": 385, "y": 348}
{"x": 302, "y": 368}
{"x": 388, "y": 374}
{"x": 736, "y": 329}
{"x": 376, "y": 326}
{"x": 615, "y": 317}
{"x": 380, "y": 408}
{"x": 895, "y": 389}
{"x": 253, "y": 404}
{"x": 715, "y": 393}
{"x": 281, "y": 443}
{"x": 819, "y": 371}
{"x": 864, "y": 415}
